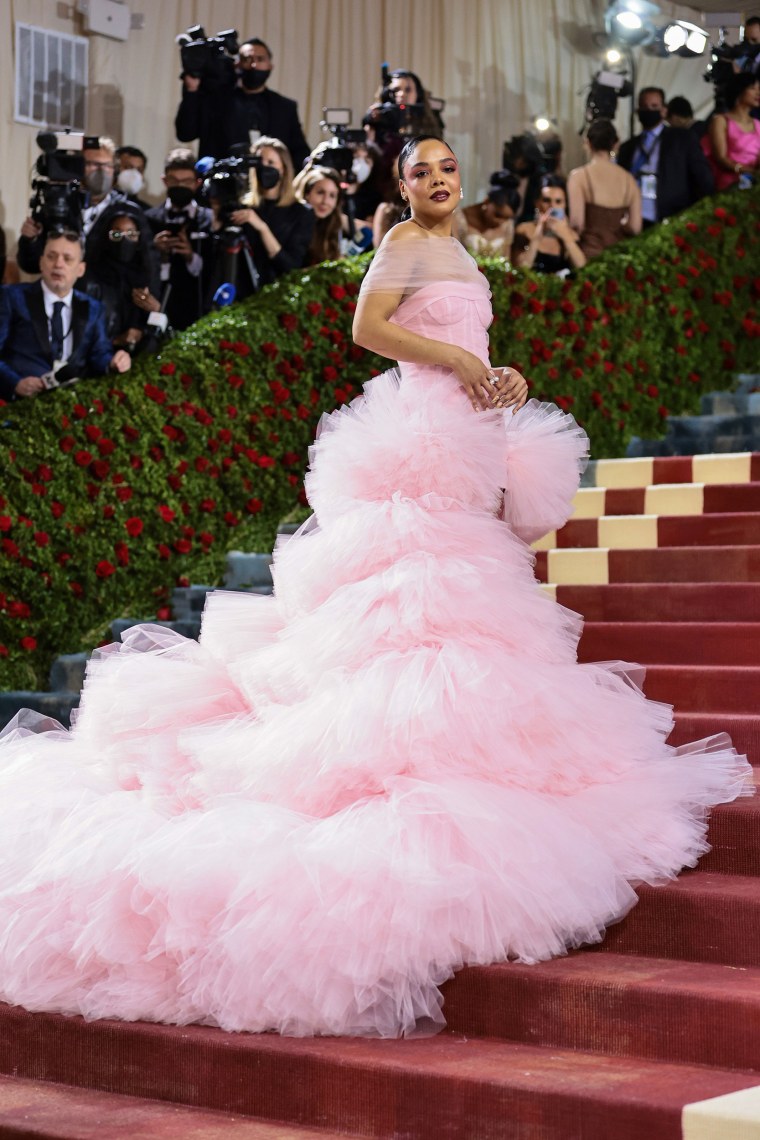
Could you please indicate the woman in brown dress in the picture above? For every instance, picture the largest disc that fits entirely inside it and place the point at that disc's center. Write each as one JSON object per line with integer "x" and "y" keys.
{"x": 605, "y": 201}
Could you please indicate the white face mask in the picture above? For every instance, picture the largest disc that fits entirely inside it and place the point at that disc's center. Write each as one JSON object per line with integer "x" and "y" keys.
{"x": 362, "y": 169}
{"x": 130, "y": 181}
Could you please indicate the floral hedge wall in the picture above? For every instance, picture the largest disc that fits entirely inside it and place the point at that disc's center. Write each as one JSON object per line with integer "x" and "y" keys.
{"x": 118, "y": 489}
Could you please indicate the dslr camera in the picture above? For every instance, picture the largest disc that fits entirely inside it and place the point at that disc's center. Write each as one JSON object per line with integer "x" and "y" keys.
{"x": 226, "y": 181}
{"x": 337, "y": 153}
{"x": 210, "y": 58}
{"x": 57, "y": 197}
{"x": 389, "y": 117}
{"x": 720, "y": 69}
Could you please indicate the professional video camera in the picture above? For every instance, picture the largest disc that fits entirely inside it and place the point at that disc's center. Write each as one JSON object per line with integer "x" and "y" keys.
{"x": 58, "y": 199}
{"x": 524, "y": 156}
{"x": 226, "y": 180}
{"x": 210, "y": 58}
{"x": 337, "y": 153}
{"x": 606, "y": 88}
{"x": 720, "y": 69}
{"x": 391, "y": 118}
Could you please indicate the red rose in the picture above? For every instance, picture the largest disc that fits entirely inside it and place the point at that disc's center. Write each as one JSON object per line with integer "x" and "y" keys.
{"x": 168, "y": 369}
{"x": 231, "y": 519}
{"x": 124, "y": 494}
{"x": 130, "y": 433}
{"x": 121, "y": 550}
{"x": 66, "y": 443}
{"x": 105, "y": 569}
{"x": 266, "y": 461}
{"x": 208, "y": 505}
{"x": 41, "y": 538}
{"x": 28, "y": 643}
{"x": 253, "y": 506}
{"x": 3, "y": 650}
{"x": 163, "y": 550}
{"x": 166, "y": 513}
{"x": 289, "y": 321}
{"x": 183, "y": 546}
{"x": 93, "y": 432}
{"x": 269, "y": 349}
{"x": 100, "y": 468}
{"x": 134, "y": 526}
{"x": 80, "y": 411}
{"x": 18, "y": 610}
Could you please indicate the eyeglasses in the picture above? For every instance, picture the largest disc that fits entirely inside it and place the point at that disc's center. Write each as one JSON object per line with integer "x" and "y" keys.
{"x": 122, "y": 235}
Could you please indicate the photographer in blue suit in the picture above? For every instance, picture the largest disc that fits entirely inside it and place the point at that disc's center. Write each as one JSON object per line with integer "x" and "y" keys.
{"x": 50, "y": 328}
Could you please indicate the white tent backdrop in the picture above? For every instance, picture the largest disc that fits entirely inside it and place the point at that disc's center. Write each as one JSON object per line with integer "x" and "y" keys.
{"x": 497, "y": 63}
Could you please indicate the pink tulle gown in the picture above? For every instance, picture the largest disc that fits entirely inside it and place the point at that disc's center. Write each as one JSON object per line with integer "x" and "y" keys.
{"x": 393, "y": 767}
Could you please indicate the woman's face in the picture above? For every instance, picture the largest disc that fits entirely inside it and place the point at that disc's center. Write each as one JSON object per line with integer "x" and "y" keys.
{"x": 404, "y": 90}
{"x": 552, "y": 198}
{"x": 431, "y": 180}
{"x": 270, "y": 157}
{"x": 750, "y": 97}
{"x": 323, "y": 197}
{"x": 496, "y": 215}
{"x": 125, "y": 228}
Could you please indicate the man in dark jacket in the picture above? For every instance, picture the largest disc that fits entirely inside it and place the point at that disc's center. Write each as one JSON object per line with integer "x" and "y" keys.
{"x": 668, "y": 164}
{"x": 182, "y": 236}
{"x": 228, "y": 114}
{"x": 48, "y": 326}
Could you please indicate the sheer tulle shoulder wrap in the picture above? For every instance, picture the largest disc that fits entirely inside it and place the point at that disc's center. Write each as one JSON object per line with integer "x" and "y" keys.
{"x": 406, "y": 265}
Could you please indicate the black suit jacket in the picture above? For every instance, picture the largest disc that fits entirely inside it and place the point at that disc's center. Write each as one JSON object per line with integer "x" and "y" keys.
{"x": 25, "y": 344}
{"x": 223, "y": 117}
{"x": 683, "y": 173}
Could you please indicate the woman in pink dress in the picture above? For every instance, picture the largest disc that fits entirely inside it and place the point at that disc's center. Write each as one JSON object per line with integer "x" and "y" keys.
{"x": 391, "y": 768}
{"x": 732, "y": 144}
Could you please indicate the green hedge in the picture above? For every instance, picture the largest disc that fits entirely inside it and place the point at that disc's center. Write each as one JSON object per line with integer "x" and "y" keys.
{"x": 118, "y": 489}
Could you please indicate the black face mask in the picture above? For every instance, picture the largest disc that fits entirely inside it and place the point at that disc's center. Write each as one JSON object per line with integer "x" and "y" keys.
{"x": 180, "y": 196}
{"x": 123, "y": 251}
{"x": 254, "y": 77}
{"x": 649, "y": 119}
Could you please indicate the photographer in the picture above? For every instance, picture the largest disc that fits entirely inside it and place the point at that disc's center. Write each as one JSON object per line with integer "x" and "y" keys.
{"x": 183, "y": 240}
{"x": 122, "y": 273}
{"x": 402, "y": 108}
{"x": 91, "y": 207}
{"x": 524, "y": 157}
{"x": 227, "y": 103}
{"x": 268, "y": 226}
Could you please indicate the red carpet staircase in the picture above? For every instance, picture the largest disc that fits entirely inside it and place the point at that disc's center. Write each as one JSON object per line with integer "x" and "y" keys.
{"x": 663, "y": 558}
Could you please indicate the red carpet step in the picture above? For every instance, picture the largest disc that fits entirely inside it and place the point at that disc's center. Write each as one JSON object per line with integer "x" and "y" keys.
{"x": 713, "y": 688}
{"x": 31, "y": 1108}
{"x": 629, "y": 1006}
{"x": 671, "y": 643}
{"x": 637, "y": 531}
{"x": 686, "y": 601}
{"x": 640, "y": 500}
{"x": 743, "y": 728}
{"x": 668, "y": 564}
{"x": 439, "y": 1088}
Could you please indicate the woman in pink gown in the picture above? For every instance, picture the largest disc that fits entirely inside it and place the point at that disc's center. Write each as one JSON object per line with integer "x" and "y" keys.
{"x": 391, "y": 768}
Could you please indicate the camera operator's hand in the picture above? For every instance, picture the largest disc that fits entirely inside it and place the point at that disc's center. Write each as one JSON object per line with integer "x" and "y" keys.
{"x": 30, "y": 386}
{"x": 182, "y": 246}
{"x": 191, "y": 82}
{"x": 30, "y": 228}
{"x": 145, "y": 300}
{"x": 121, "y": 361}
{"x": 248, "y": 217}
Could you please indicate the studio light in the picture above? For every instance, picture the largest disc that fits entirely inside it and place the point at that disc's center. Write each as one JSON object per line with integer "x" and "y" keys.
{"x": 613, "y": 56}
{"x": 685, "y": 39}
{"x": 541, "y": 123}
{"x": 629, "y": 22}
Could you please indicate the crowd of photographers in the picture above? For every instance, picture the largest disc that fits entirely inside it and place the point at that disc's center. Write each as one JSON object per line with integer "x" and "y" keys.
{"x": 258, "y": 203}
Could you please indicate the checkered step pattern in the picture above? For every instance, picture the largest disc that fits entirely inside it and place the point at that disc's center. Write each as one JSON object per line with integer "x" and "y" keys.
{"x": 670, "y": 519}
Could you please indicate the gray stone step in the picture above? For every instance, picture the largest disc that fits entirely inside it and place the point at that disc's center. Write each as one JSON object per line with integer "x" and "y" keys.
{"x": 730, "y": 403}
{"x": 55, "y": 705}
{"x": 67, "y": 672}
{"x": 708, "y": 426}
{"x": 246, "y": 571}
{"x": 747, "y": 382}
